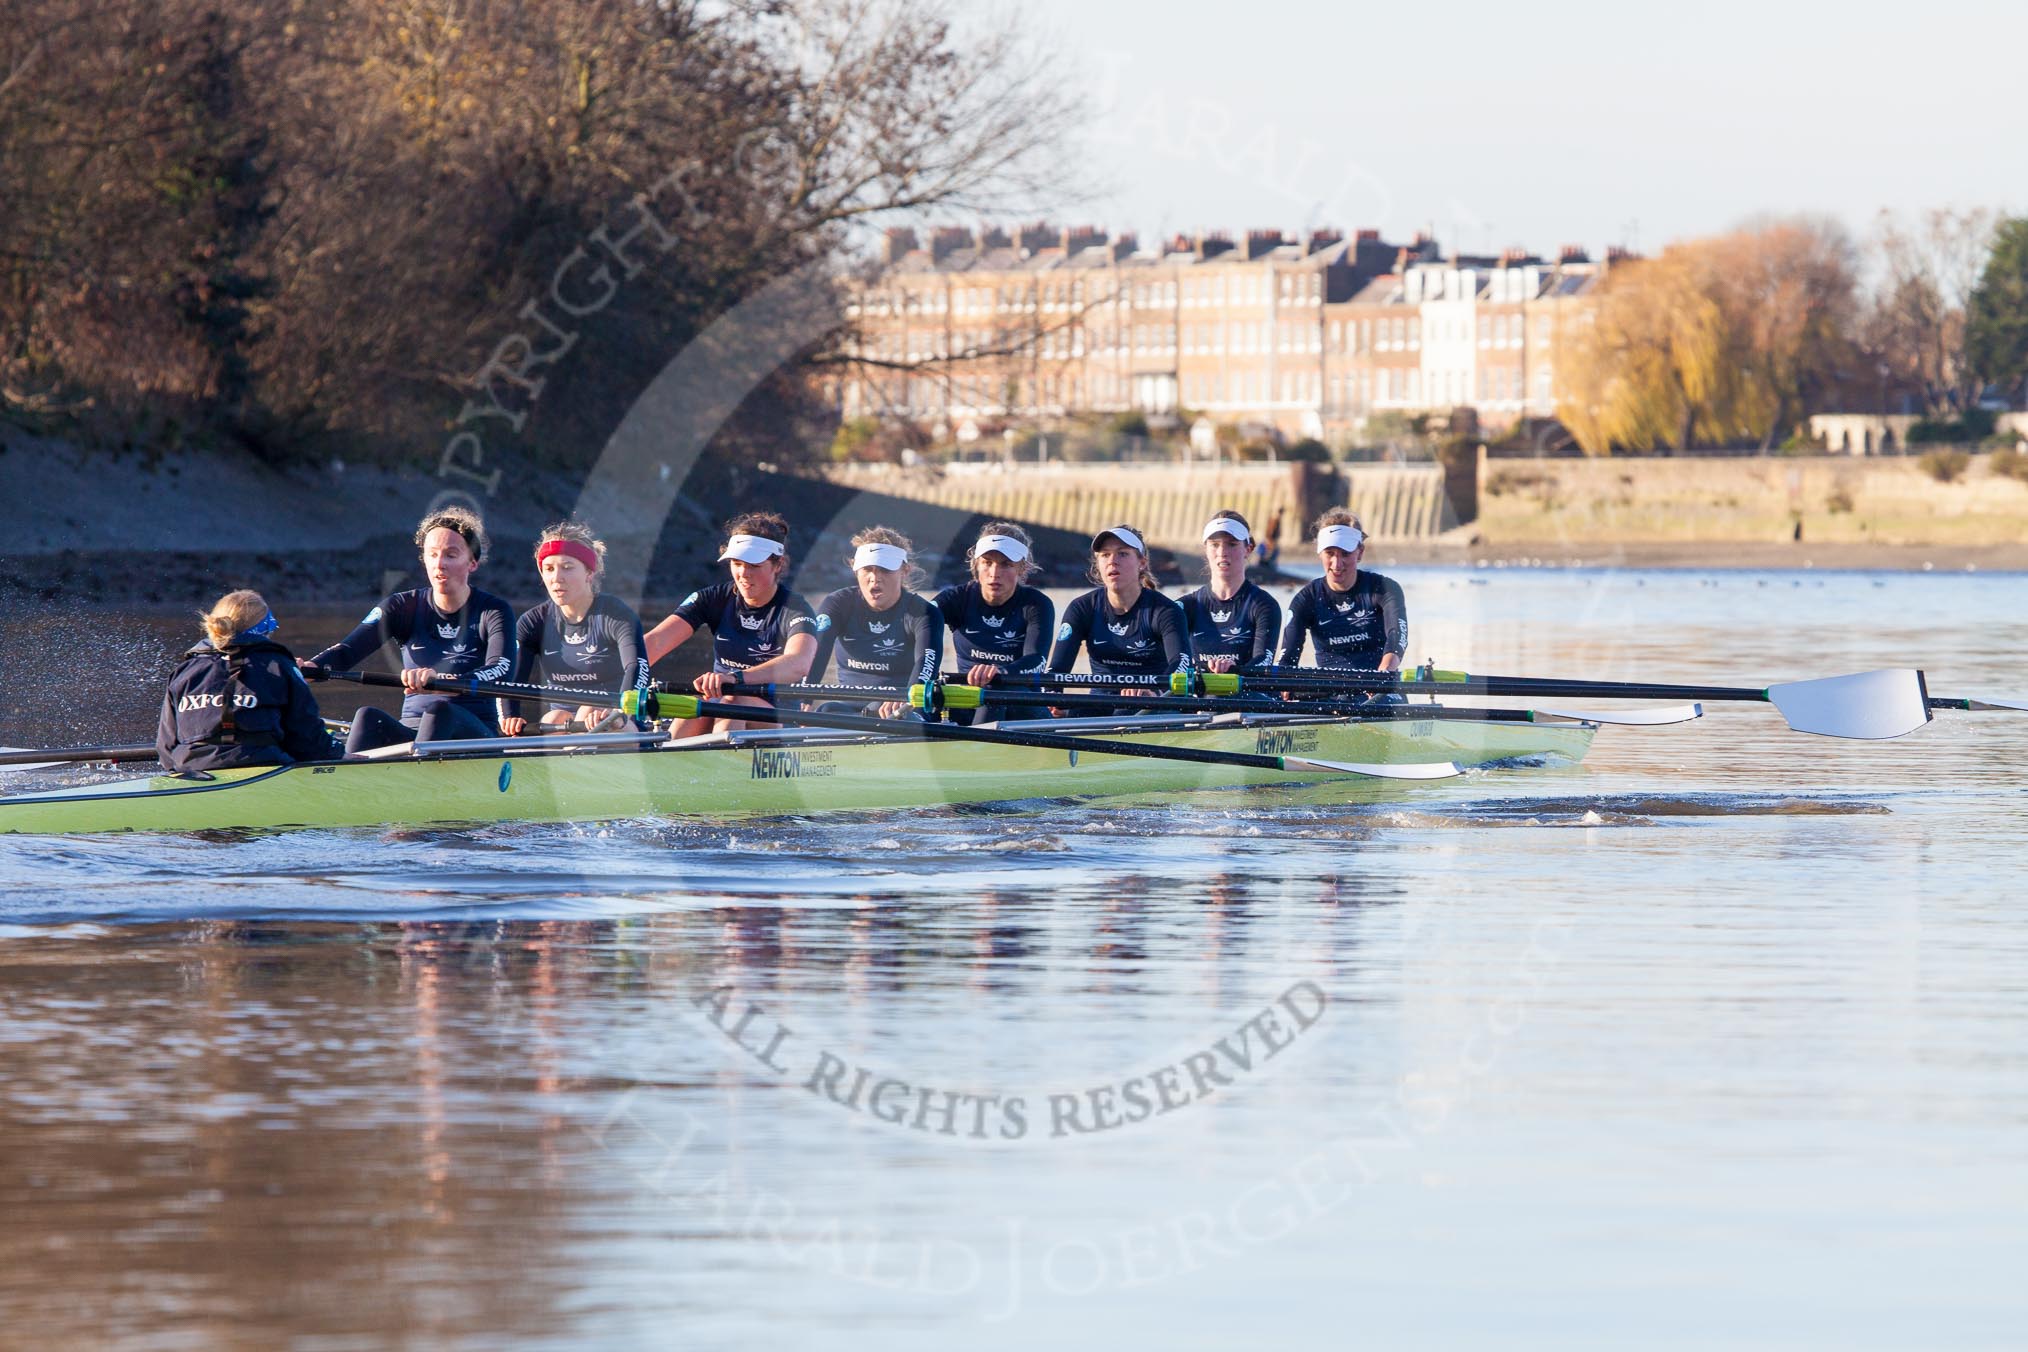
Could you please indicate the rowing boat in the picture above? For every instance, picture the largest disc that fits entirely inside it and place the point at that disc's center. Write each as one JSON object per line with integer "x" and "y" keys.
{"x": 770, "y": 772}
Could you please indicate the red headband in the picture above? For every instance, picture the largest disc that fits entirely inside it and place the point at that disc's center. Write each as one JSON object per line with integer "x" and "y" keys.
{"x": 584, "y": 554}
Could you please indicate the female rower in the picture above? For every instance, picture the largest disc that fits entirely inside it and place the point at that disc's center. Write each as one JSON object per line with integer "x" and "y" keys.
{"x": 580, "y": 638}
{"x": 1353, "y": 619}
{"x": 1125, "y": 626}
{"x": 1233, "y": 624}
{"x": 885, "y": 634}
{"x": 447, "y": 629}
{"x": 997, "y": 621}
{"x": 761, "y": 632}
{"x": 238, "y": 698}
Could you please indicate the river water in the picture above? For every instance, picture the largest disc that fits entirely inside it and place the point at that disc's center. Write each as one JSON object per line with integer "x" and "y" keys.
{"x": 1721, "y": 1037}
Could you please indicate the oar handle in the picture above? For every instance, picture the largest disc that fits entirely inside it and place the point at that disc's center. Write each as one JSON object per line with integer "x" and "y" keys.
{"x": 466, "y": 685}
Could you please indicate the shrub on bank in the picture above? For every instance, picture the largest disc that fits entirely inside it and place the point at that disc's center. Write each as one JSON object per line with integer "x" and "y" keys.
{"x": 1976, "y": 425}
{"x": 1946, "y": 467}
{"x": 2010, "y": 463}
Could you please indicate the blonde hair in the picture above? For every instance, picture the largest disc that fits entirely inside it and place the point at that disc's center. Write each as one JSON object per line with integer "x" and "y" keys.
{"x": 912, "y": 576}
{"x": 235, "y": 611}
{"x": 1091, "y": 571}
{"x": 464, "y": 521}
{"x": 1341, "y": 516}
{"x": 1012, "y": 532}
{"x": 577, "y": 533}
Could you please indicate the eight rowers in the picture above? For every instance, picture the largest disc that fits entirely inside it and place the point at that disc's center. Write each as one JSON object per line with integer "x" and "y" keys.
{"x": 449, "y": 628}
{"x": 1125, "y": 625}
{"x": 238, "y": 698}
{"x": 997, "y": 621}
{"x": 885, "y": 634}
{"x": 760, "y": 631}
{"x": 1353, "y": 619}
{"x": 579, "y": 639}
{"x": 1233, "y": 623}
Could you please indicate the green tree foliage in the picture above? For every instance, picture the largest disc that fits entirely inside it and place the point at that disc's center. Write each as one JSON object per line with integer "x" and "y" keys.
{"x": 1997, "y": 337}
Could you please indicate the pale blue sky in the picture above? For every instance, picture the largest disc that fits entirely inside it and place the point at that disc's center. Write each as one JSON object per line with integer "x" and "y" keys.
{"x": 1543, "y": 124}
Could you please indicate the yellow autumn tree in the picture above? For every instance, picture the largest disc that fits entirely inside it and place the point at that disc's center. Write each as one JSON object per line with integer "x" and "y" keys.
{"x": 1717, "y": 341}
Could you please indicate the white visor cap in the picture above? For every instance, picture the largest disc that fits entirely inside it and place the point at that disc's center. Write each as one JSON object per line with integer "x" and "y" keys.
{"x": 751, "y": 549}
{"x": 1006, "y": 546}
{"x": 891, "y": 557}
{"x": 1225, "y": 525}
{"x": 1123, "y": 535}
{"x": 1347, "y": 538}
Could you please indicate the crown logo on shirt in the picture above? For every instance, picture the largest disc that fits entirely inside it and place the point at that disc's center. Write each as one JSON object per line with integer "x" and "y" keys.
{"x": 993, "y": 621}
{"x": 575, "y": 639}
{"x": 1119, "y": 630}
{"x": 753, "y": 622}
{"x": 1220, "y": 616}
{"x": 873, "y": 628}
{"x": 450, "y": 630}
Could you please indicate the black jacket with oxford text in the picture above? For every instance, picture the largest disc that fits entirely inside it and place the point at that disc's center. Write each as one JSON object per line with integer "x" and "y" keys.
{"x": 245, "y": 704}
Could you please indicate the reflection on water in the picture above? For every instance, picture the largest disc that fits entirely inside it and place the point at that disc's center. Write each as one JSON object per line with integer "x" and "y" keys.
{"x": 1716, "y": 1038}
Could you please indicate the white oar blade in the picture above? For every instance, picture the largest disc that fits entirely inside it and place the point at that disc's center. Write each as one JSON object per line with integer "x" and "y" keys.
{"x": 1417, "y": 770}
{"x": 1633, "y": 718}
{"x": 1872, "y": 704}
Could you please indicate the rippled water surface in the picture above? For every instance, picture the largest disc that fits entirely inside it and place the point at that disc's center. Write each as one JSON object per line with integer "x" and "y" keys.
{"x": 1721, "y": 1037}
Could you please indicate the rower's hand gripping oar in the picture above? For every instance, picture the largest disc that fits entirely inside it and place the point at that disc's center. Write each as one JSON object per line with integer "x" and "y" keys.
{"x": 663, "y": 705}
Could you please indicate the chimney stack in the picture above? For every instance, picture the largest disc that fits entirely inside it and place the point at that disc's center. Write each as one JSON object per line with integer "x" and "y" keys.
{"x": 1211, "y": 243}
{"x": 900, "y": 243}
{"x": 1259, "y": 242}
{"x": 947, "y": 240}
{"x": 1125, "y": 245}
{"x": 1572, "y": 253}
{"x": 1081, "y": 237}
{"x": 1038, "y": 236}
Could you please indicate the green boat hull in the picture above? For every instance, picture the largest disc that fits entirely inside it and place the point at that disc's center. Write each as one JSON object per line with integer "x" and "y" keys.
{"x": 763, "y": 776}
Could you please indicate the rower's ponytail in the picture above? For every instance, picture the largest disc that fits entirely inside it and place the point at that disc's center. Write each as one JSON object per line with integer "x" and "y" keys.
{"x": 235, "y": 613}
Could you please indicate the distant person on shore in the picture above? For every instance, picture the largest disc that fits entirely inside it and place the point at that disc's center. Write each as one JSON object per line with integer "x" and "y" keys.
{"x": 761, "y": 632}
{"x": 1268, "y": 551}
{"x": 579, "y": 639}
{"x": 997, "y": 621}
{"x": 1233, "y": 624}
{"x": 881, "y": 631}
{"x": 237, "y": 699}
{"x": 449, "y": 628}
{"x": 1353, "y": 619}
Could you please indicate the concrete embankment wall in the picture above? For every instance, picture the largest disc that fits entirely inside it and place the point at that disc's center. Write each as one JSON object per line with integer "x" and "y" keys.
{"x": 1838, "y": 499}
{"x": 1170, "y": 502}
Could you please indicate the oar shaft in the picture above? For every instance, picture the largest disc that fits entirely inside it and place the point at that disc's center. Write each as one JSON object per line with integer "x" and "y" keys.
{"x": 685, "y": 706}
{"x": 1301, "y": 679}
{"x": 1188, "y": 704}
{"x": 77, "y": 753}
